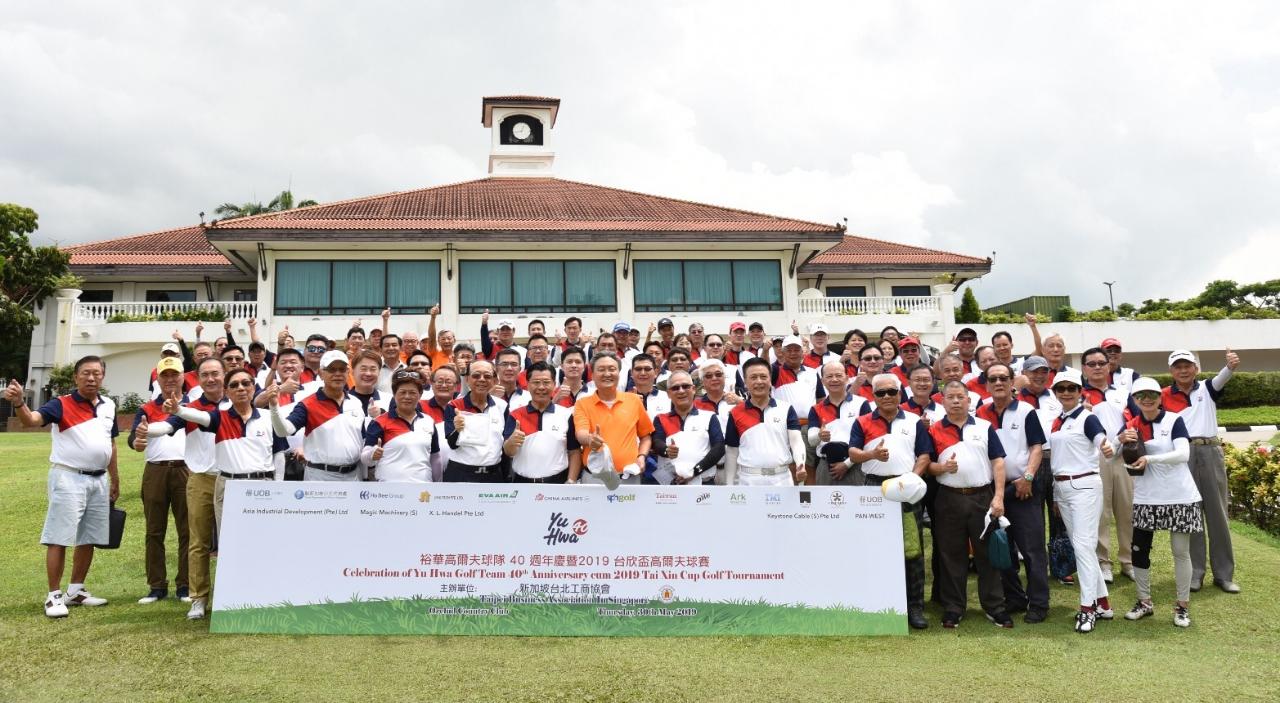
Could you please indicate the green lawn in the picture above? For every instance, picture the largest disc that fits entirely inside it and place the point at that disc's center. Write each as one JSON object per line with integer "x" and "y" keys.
{"x": 1259, "y": 415}
{"x": 127, "y": 652}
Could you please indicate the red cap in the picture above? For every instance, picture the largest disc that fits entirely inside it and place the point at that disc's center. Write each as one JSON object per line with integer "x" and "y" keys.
{"x": 908, "y": 340}
{"x": 735, "y": 326}
{"x": 1111, "y": 342}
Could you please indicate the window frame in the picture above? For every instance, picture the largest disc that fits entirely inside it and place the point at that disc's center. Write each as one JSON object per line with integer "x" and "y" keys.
{"x": 329, "y": 309}
{"x": 705, "y": 307}
{"x": 893, "y": 292}
{"x": 192, "y": 291}
{"x": 831, "y": 292}
{"x": 513, "y": 309}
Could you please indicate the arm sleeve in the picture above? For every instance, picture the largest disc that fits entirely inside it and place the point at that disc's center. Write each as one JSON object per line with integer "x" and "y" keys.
{"x": 659, "y": 443}
{"x": 797, "y": 447}
{"x": 207, "y": 421}
{"x": 1035, "y": 433}
{"x": 1180, "y": 454}
{"x": 50, "y": 412}
{"x": 168, "y": 427}
{"x": 286, "y": 427}
{"x": 1217, "y": 383}
{"x": 716, "y": 452}
{"x": 188, "y": 361}
{"x": 924, "y": 440}
{"x": 372, "y": 435}
{"x": 995, "y": 450}
{"x": 814, "y": 427}
{"x": 137, "y": 420}
{"x": 731, "y": 435}
{"x": 231, "y": 341}
{"x": 486, "y": 345}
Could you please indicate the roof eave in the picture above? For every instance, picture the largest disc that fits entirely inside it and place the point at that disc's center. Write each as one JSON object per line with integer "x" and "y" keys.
{"x": 981, "y": 268}
{"x": 220, "y": 235}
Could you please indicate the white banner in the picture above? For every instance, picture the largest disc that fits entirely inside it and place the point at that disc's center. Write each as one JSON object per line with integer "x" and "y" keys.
{"x": 541, "y": 559}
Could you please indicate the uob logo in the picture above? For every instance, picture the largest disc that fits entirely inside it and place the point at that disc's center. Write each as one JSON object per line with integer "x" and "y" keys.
{"x": 559, "y": 531}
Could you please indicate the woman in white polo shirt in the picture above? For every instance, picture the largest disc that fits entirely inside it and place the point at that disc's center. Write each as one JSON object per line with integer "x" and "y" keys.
{"x": 1076, "y": 438}
{"x": 401, "y": 443}
{"x": 1164, "y": 497}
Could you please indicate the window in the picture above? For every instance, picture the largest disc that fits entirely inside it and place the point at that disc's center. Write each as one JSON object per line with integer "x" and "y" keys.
{"x": 907, "y": 291}
{"x": 97, "y": 296}
{"x": 170, "y": 296}
{"x": 245, "y": 295}
{"x": 708, "y": 285}
{"x": 536, "y": 286}
{"x": 846, "y": 291}
{"x": 356, "y": 287}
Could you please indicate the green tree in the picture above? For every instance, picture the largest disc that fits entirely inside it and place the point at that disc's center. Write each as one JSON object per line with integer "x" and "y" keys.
{"x": 280, "y": 203}
{"x": 1126, "y": 310}
{"x": 27, "y": 276}
{"x": 969, "y": 312}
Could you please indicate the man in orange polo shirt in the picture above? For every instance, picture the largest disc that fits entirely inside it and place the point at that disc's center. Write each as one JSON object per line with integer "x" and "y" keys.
{"x": 439, "y": 345}
{"x": 619, "y": 420}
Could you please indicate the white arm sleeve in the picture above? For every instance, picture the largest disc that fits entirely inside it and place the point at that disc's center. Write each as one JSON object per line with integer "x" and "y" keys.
{"x": 1180, "y": 454}
{"x": 813, "y": 436}
{"x": 277, "y": 462}
{"x": 1220, "y": 381}
{"x": 797, "y": 447}
{"x": 199, "y": 417}
{"x": 280, "y": 424}
{"x": 730, "y": 466}
{"x": 159, "y": 429}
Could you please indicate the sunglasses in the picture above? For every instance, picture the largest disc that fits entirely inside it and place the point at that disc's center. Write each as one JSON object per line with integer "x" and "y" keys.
{"x": 1147, "y": 395}
{"x": 714, "y": 374}
{"x": 240, "y": 384}
{"x": 715, "y": 345}
{"x": 873, "y": 358}
{"x": 887, "y": 392}
{"x": 317, "y": 350}
{"x": 1095, "y": 364}
{"x": 231, "y": 357}
{"x": 967, "y": 339}
{"x": 481, "y": 376}
{"x": 1066, "y": 388}
{"x": 998, "y": 379}
{"x": 681, "y": 387}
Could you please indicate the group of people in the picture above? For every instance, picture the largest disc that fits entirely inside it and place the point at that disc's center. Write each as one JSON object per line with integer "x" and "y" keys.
{"x": 1026, "y": 439}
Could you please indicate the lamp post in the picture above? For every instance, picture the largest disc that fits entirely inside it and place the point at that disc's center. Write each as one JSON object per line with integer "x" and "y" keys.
{"x": 1110, "y": 297}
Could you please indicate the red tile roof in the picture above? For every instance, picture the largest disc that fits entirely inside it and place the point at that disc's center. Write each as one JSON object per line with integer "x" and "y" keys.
{"x": 864, "y": 251}
{"x": 527, "y": 204}
{"x": 185, "y": 246}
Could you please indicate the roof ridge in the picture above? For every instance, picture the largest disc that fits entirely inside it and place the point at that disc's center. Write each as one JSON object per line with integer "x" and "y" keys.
{"x": 850, "y": 237}
{"x": 172, "y": 230}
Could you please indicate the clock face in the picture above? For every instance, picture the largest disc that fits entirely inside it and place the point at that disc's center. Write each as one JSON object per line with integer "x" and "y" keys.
{"x": 520, "y": 131}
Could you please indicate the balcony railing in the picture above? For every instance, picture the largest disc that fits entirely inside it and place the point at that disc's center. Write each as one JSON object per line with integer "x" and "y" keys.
{"x": 894, "y": 305}
{"x": 210, "y": 311}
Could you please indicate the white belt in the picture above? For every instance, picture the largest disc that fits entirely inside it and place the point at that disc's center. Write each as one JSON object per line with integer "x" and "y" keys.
{"x": 766, "y": 471}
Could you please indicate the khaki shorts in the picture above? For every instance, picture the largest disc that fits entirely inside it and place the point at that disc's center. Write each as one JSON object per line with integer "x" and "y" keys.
{"x": 79, "y": 508}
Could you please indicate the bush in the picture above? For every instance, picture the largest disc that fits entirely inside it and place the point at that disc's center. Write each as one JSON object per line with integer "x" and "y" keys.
{"x": 1253, "y": 479}
{"x": 969, "y": 312}
{"x": 215, "y": 313}
{"x": 1246, "y": 389}
{"x": 1009, "y": 318}
{"x": 129, "y": 404}
{"x": 62, "y": 380}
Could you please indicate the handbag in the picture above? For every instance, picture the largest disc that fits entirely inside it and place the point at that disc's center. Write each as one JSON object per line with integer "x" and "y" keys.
{"x": 997, "y": 542}
{"x": 115, "y": 532}
{"x": 1062, "y": 557}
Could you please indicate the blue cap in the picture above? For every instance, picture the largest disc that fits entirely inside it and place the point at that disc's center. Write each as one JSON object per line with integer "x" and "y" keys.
{"x": 621, "y": 327}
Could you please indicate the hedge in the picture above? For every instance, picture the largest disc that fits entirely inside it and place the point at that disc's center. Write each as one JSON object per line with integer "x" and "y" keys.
{"x": 1253, "y": 479}
{"x": 1246, "y": 389}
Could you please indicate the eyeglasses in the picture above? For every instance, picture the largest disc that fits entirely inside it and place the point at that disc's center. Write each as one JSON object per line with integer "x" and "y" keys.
{"x": 998, "y": 379}
{"x": 1066, "y": 388}
{"x": 714, "y": 374}
{"x": 641, "y": 369}
{"x": 887, "y": 392}
{"x": 681, "y": 387}
{"x": 715, "y": 345}
{"x": 481, "y": 376}
{"x": 1146, "y": 395}
{"x": 508, "y": 364}
{"x": 316, "y": 349}
{"x": 240, "y": 384}
{"x": 539, "y": 349}
{"x": 232, "y": 357}
{"x": 1095, "y": 364}
{"x": 966, "y": 339}
{"x": 873, "y": 358}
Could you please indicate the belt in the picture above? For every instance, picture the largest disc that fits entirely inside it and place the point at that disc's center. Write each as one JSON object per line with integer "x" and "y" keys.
{"x": 333, "y": 468}
{"x": 767, "y": 471}
{"x": 966, "y": 491}
{"x": 1072, "y": 478}
{"x": 251, "y": 476}
{"x": 1212, "y": 441}
{"x": 82, "y": 472}
{"x": 477, "y": 469}
{"x": 169, "y": 464}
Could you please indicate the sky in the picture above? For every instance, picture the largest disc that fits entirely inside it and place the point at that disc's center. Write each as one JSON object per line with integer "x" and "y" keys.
{"x": 1080, "y": 142}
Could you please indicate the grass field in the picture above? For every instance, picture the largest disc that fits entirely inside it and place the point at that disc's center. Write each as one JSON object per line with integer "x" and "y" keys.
{"x": 128, "y": 652}
{"x": 1258, "y": 415}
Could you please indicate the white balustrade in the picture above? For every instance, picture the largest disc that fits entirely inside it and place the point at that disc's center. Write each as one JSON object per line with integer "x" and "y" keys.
{"x": 141, "y": 312}
{"x": 888, "y": 305}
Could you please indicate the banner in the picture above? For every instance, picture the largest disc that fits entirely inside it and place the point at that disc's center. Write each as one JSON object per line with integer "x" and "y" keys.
{"x": 543, "y": 559}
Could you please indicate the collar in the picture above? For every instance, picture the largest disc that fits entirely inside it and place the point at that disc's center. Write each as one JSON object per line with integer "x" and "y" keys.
{"x": 551, "y": 407}
{"x": 1158, "y": 419}
{"x": 1073, "y": 413}
{"x": 466, "y": 401}
{"x": 1013, "y": 405}
{"x": 693, "y": 410}
{"x": 1173, "y": 388}
{"x": 912, "y": 402}
{"x": 338, "y": 401}
{"x": 253, "y": 413}
{"x": 946, "y": 422}
{"x": 876, "y": 413}
{"x": 416, "y": 414}
{"x": 75, "y": 395}
{"x": 772, "y": 404}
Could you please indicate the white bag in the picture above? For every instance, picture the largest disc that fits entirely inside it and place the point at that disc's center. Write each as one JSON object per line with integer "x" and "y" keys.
{"x": 600, "y": 461}
{"x": 475, "y": 430}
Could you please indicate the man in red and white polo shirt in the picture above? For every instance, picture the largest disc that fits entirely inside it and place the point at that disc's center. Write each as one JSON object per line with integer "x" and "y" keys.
{"x": 794, "y": 383}
{"x": 818, "y": 353}
{"x": 539, "y": 437}
{"x": 763, "y": 441}
{"x": 83, "y": 481}
{"x": 334, "y": 421}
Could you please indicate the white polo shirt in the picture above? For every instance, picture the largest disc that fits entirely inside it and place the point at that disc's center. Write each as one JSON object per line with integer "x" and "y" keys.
{"x": 407, "y": 446}
{"x": 798, "y": 388}
{"x": 494, "y": 414}
{"x": 548, "y": 438}
{"x": 168, "y": 447}
{"x": 1073, "y": 441}
{"x": 905, "y": 437}
{"x": 83, "y": 433}
{"x": 974, "y": 445}
{"x": 760, "y": 434}
{"x": 334, "y": 427}
{"x": 1199, "y": 408}
{"x": 1164, "y": 482}
{"x": 1019, "y": 430}
{"x": 1108, "y": 406}
{"x": 242, "y": 446}
{"x": 199, "y": 452}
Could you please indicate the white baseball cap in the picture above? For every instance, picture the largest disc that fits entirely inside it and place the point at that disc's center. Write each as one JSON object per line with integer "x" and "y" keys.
{"x": 1146, "y": 383}
{"x": 1183, "y": 355}
{"x": 333, "y": 357}
{"x": 506, "y": 323}
{"x": 792, "y": 339}
{"x": 1071, "y": 376}
{"x": 907, "y": 488}
{"x": 818, "y": 328}
{"x": 170, "y": 348}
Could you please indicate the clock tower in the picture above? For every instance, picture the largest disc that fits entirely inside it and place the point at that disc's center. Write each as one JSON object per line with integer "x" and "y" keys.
{"x": 520, "y": 126}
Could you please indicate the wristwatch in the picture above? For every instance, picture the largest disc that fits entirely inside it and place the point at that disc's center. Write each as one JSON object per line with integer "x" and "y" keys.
{"x": 1028, "y": 477}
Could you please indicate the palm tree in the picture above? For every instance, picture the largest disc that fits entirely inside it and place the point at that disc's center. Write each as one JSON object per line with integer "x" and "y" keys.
{"x": 280, "y": 203}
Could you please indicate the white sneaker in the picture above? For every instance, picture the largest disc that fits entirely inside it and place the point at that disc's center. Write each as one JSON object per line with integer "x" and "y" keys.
{"x": 54, "y": 607}
{"x": 1103, "y": 613}
{"x": 1085, "y": 621}
{"x": 1139, "y": 611}
{"x": 83, "y": 597}
{"x": 197, "y": 610}
{"x": 1181, "y": 617}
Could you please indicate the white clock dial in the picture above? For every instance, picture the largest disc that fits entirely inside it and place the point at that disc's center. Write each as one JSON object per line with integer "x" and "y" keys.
{"x": 521, "y": 131}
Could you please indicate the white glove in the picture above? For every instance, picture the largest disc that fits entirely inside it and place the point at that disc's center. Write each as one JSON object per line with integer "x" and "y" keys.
{"x": 631, "y": 470}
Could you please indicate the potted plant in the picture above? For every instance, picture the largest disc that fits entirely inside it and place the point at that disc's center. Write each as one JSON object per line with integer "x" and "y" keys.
{"x": 67, "y": 285}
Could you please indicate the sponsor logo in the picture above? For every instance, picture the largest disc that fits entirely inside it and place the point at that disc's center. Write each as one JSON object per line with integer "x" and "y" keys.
{"x": 299, "y": 494}
{"x": 369, "y": 495}
{"x": 665, "y": 498}
{"x": 616, "y": 498}
{"x": 773, "y": 499}
{"x": 864, "y": 500}
{"x": 259, "y": 493}
{"x": 737, "y": 499}
{"x": 703, "y": 499}
{"x": 314, "y": 493}
{"x": 498, "y": 497}
{"x": 540, "y": 497}
{"x": 424, "y": 497}
{"x": 806, "y": 497}
{"x": 837, "y": 498}
{"x": 563, "y": 530}
{"x": 543, "y": 497}
{"x": 666, "y": 594}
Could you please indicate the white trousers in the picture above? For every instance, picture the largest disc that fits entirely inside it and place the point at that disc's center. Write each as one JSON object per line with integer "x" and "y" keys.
{"x": 1080, "y": 503}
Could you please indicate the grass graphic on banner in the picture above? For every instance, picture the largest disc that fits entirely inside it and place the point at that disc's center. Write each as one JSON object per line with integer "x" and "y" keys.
{"x": 413, "y": 616}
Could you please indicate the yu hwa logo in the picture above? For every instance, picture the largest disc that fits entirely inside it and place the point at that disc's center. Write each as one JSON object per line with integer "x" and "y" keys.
{"x": 560, "y": 530}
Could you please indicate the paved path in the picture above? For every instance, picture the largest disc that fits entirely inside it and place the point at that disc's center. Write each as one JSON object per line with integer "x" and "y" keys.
{"x": 1244, "y": 439}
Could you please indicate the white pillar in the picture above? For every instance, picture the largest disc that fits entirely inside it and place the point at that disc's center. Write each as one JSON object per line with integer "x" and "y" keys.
{"x": 66, "y": 299}
{"x": 946, "y": 295}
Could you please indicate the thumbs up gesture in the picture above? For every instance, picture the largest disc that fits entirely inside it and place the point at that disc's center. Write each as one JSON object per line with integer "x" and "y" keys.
{"x": 952, "y": 465}
{"x": 273, "y": 395}
{"x": 516, "y": 440}
{"x": 562, "y": 393}
{"x": 374, "y": 410}
{"x": 377, "y": 451}
{"x": 1233, "y": 359}
{"x": 140, "y": 435}
{"x": 171, "y": 402}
